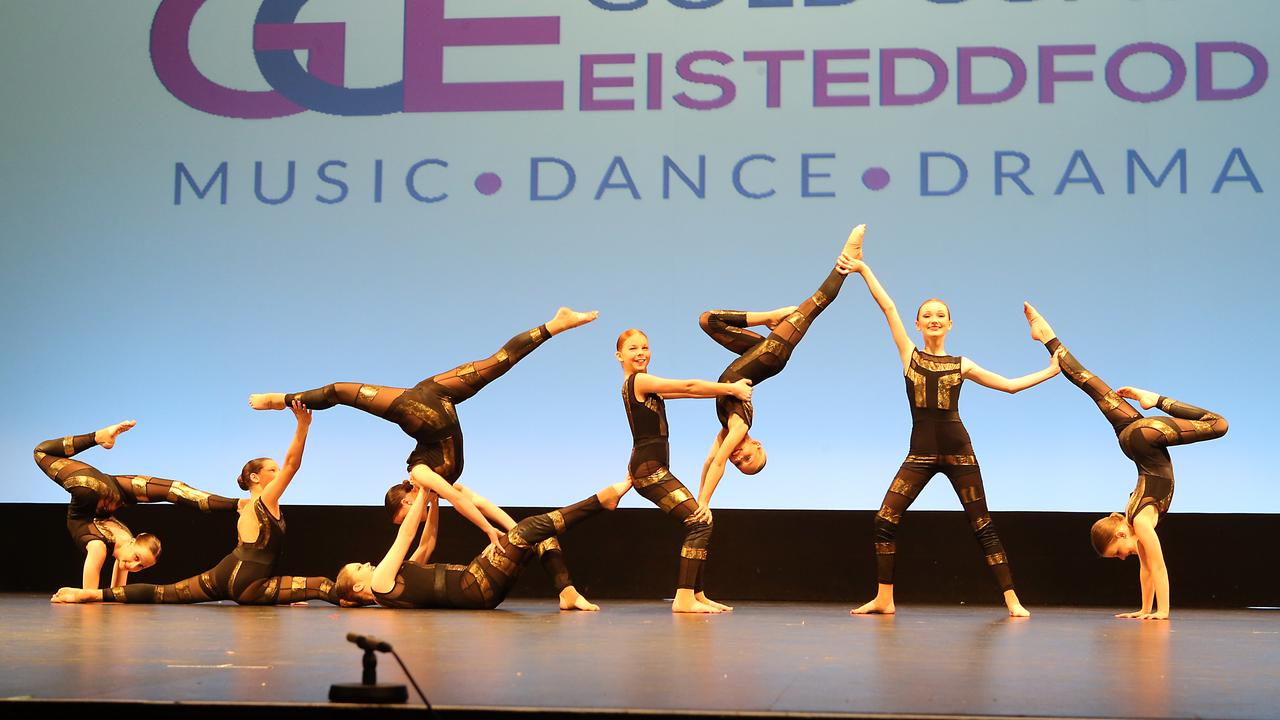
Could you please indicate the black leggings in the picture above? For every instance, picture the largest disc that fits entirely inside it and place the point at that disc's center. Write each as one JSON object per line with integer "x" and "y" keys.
{"x": 425, "y": 412}
{"x": 966, "y": 480}
{"x": 95, "y": 494}
{"x": 244, "y": 581}
{"x": 667, "y": 492}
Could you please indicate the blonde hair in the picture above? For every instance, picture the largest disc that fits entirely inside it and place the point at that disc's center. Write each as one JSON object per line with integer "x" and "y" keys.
{"x": 1103, "y": 532}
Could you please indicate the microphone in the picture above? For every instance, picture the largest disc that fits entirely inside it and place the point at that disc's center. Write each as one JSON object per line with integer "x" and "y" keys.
{"x": 369, "y": 642}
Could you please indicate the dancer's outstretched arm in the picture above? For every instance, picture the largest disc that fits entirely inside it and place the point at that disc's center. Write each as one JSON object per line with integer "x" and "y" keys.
{"x": 430, "y": 481}
{"x": 975, "y": 372}
{"x": 901, "y": 340}
{"x": 292, "y": 460}
{"x": 430, "y": 532}
{"x": 714, "y": 467}
{"x": 384, "y": 575}
{"x": 673, "y": 389}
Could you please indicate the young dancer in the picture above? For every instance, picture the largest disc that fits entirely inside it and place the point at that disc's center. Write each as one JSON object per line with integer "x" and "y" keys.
{"x": 939, "y": 441}
{"x": 1145, "y": 441}
{"x": 403, "y": 581}
{"x": 642, "y": 395}
{"x": 759, "y": 358}
{"x": 95, "y": 497}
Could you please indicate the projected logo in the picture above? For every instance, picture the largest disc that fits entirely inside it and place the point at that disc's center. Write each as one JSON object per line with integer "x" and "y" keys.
{"x": 1211, "y": 71}
{"x": 320, "y": 85}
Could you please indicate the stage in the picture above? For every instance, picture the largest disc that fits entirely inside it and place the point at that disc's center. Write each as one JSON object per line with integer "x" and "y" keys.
{"x": 763, "y": 659}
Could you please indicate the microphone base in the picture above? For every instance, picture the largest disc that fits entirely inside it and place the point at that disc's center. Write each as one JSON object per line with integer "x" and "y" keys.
{"x": 379, "y": 694}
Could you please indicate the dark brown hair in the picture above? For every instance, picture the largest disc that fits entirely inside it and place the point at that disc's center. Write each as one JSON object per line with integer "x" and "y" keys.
{"x": 250, "y": 468}
{"x": 395, "y": 498}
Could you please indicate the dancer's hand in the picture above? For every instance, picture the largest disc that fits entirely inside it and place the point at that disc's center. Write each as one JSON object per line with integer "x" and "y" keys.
{"x": 742, "y": 390}
{"x": 1145, "y": 398}
{"x": 301, "y": 412}
{"x": 1055, "y": 361}
{"x": 494, "y": 536}
{"x": 701, "y": 515}
{"x": 846, "y": 265}
{"x": 777, "y": 316}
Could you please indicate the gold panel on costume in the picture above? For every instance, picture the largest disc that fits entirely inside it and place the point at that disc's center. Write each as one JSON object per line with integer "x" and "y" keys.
{"x": 673, "y": 499}
{"x": 139, "y": 484}
{"x": 557, "y": 519}
{"x": 692, "y": 553}
{"x": 482, "y": 580}
{"x": 644, "y": 482}
{"x": 502, "y": 563}
{"x": 918, "y": 386}
{"x": 886, "y": 513}
{"x": 366, "y": 394}
{"x": 945, "y": 384}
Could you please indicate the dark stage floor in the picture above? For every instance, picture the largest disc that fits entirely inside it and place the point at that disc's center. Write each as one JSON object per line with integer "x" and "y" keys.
{"x": 766, "y": 657}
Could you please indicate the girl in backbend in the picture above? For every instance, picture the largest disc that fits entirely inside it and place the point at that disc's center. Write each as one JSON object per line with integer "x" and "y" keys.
{"x": 939, "y": 441}
{"x": 1145, "y": 441}
{"x": 403, "y": 581}
{"x": 427, "y": 413}
{"x": 95, "y": 497}
{"x": 247, "y": 575}
{"x": 642, "y": 395}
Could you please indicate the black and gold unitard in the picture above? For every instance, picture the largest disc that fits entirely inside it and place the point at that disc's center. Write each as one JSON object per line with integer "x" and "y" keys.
{"x": 760, "y": 358}
{"x": 1144, "y": 440}
{"x": 485, "y": 581}
{"x": 426, "y": 412}
{"x": 96, "y": 495}
{"x": 939, "y": 444}
{"x": 652, "y": 478}
{"x": 246, "y": 575}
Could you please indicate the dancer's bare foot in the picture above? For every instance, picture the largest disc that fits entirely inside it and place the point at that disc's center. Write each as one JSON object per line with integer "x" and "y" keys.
{"x": 1145, "y": 398}
{"x": 610, "y": 496}
{"x": 1040, "y": 330}
{"x": 685, "y": 602}
{"x": 881, "y": 605}
{"x": 571, "y": 599}
{"x": 567, "y": 319}
{"x": 702, "y": 598}
{"x": 267, "y": 401}
{"x": 853, "y": 246}
{"x": 777, "y": 316}
{"x": 106, "y": 437}
{"x": 1015, "y": 607}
